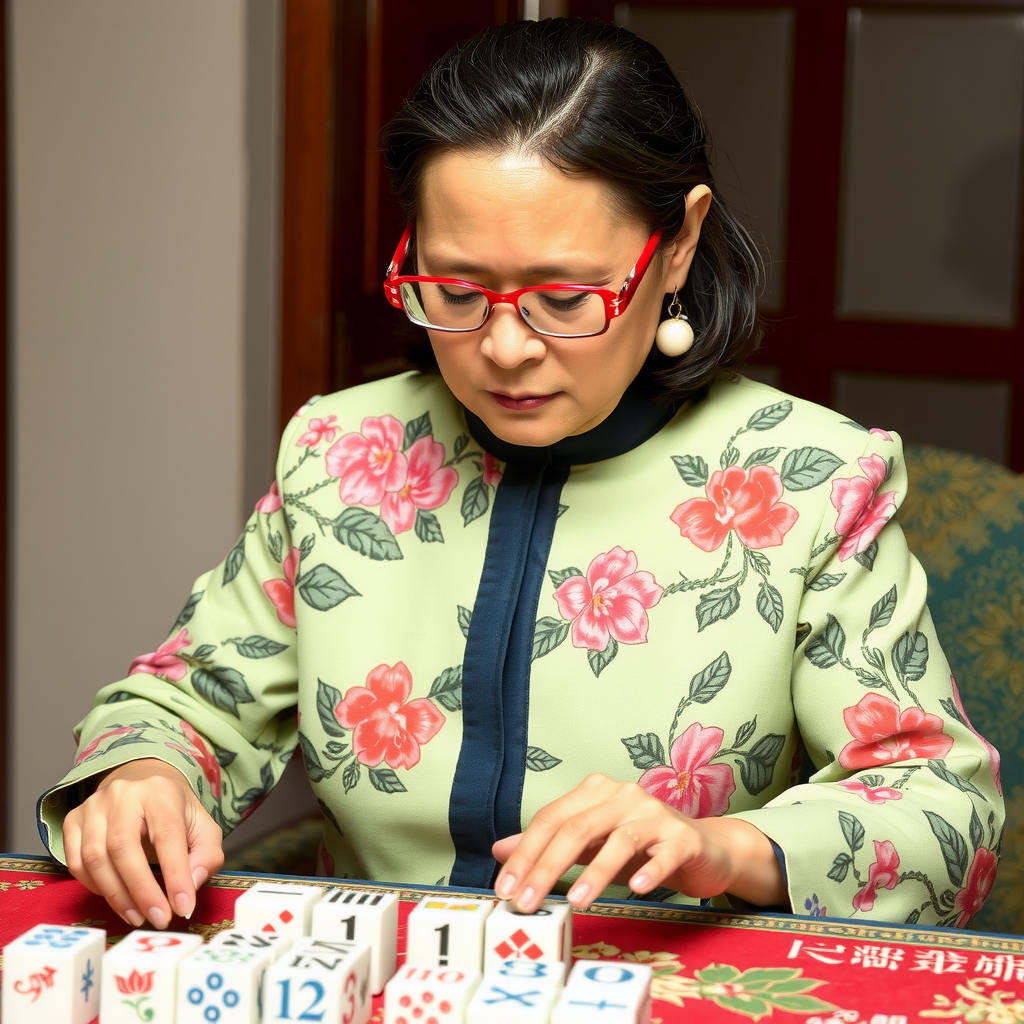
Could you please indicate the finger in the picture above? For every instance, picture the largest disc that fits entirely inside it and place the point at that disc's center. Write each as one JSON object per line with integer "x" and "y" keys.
{"x": 104, "y": 878}
{"x": 622, "y": 849}
{"x": 504, "y": 848}
{"x": 167, "y": 828}
{"x": 205, "y": 840}
{"x": 73, "y": 853}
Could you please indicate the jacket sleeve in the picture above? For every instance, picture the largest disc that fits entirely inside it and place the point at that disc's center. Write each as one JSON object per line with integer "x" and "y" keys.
{"x": 217, "y": 700}
{"x": 902, "y": 816}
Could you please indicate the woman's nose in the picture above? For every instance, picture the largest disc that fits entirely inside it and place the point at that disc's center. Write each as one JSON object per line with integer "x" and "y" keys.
{"x": 508, "y": 340}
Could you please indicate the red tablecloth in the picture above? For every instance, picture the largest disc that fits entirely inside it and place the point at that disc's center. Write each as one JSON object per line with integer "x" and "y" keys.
{"x": 709, "y": 965}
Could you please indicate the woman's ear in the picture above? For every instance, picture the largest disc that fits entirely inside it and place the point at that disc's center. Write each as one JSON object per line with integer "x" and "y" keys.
{"x": 677, "y": 268}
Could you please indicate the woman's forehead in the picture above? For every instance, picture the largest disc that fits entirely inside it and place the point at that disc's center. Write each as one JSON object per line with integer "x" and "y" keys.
{"x": 519, "y": 205}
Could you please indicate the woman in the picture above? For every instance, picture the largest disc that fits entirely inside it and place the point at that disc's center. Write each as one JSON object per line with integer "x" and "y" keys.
{"x": 582, "y": 581}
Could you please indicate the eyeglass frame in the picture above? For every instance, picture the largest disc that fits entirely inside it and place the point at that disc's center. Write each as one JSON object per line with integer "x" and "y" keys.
{"x": 615, "y": 303}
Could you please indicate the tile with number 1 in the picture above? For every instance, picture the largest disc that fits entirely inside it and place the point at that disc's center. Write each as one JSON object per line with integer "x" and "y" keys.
{"x": 447, "y": 933}
{"x": 362, "y": 916}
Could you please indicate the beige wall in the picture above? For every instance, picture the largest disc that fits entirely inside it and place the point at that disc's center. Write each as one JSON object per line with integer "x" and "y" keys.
{"x": 142, "y": 334}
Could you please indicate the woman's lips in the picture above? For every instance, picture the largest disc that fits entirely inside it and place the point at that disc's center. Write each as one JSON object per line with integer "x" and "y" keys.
{"x": 522, "y": 403}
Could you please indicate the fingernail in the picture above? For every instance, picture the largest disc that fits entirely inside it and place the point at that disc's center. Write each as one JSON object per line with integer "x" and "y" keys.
{"x": 199, "y": 875}
{"x": 578, "y": 894}
{"x": 183, "y": 905}
{"x": 525, "y": 901}
{"x": 135, "y": 918}
{"x": 158, "y": 917}
{"x": 505, "y": 885}
{"x": 639, "y": 883}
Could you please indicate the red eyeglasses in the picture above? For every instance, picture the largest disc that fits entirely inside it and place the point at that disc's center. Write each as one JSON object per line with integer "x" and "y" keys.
{"x": 558, "y": 310}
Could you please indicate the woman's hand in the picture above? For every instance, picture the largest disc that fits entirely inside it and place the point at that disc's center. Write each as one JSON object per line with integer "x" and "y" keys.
{"x": 625, "y": 835}
{"x": 143, "y": 810}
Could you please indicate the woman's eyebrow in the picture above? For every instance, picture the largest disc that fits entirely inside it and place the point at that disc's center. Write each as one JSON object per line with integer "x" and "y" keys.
{"x": 562, "y": 271}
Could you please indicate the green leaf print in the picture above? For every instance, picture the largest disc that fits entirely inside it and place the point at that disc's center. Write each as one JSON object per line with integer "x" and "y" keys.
{"x": 204, "y": 651}
{"x": 224, "y": 757}
{"x": 117, "y": 696}
{"x": 716, "y": 605}
{"x": 645, "y": 750}
{"x": 730, "y": 457}
{"x": 276, "y": 545}
{"x": 744, "y": 732}
{"x": 562, "y": 509}
{"x": 826, "y": 581}
{"x": 384, "y": 780}
{"x": 938, "y": 768}
{"x": 840, "y": 867}
{"x": 310, "y": 758}
{"x": 224, "y": 688}
{"x": 324, "y": 588}
{"x": 559, "y": 576}
{"x": 548, "y": 634}
{"x": 707, "y": 683}
{"x": 770, "y": 416}
{"x": 367, "y": 534}
{"x": 977, "y": 831}
{"x": 828, "y": 648}
{"x": 306, "y": 546}
{"x": 185, "y": 617}
{"x": 761, "y": 457}
{"x": 882, "y": 610}
{"x": 327, "y": 699}
{"x": 329, "y": 815}
{"x": 351, "y": 775}
{"x": 465, "y": 618}
{"x": 952, "y": 845}
{"x": 757, "y": 766}
{"x": 539, "y": 760}
{"x": 446, "y": 689}
{"x": 428, "y": 529}
{"x": 867, "y": 556}
{"x": 235, "y": 560}
{"x": 853, "y": 830}
{"x": 415, "y": 429}
{"x": 805, "y": 468}
{"x": 126, "y": 740}
{"x": 769, "y": 606}
{"x": 717, "y": 974}
{"x": 256, "y": 646}
{"x": 600, "y": 660}
{"x": 475, "y": 500}
{"x": 692, "y": 468}
{"x": 910, "y": 657}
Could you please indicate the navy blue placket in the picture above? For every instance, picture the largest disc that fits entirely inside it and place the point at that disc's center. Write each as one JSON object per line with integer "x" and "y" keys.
{"x": 488, "y": 784}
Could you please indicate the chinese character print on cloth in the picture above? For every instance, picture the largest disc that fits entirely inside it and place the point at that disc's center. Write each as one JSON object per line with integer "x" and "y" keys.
{"x": 456, "y": 631}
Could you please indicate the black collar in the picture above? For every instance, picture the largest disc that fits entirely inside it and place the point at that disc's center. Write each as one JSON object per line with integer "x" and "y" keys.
{"x": 635, "y": 419}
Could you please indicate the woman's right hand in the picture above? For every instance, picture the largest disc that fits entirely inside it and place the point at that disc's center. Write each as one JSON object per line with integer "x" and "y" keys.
{"x": 141, "y": 811}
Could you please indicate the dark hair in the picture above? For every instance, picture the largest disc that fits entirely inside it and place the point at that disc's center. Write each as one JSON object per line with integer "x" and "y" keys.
{"x": 593, "y": 99}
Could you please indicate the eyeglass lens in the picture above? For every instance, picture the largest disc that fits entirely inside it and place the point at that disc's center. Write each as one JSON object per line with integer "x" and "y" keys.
{"x": 455, "y": 308}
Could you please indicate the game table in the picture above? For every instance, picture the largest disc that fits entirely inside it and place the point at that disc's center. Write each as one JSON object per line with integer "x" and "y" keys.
{"x": 709, "y": 965}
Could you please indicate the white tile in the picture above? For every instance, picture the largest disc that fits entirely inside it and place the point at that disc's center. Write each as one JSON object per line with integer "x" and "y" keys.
{"x": 605, "y": 992}
{"x": 220, "y": 985}
{"x": 516, "y": 992}
{"x": 320, "y": 980}
{"x": 545, "y": 935}
{"x": 447, "y": 933}
{"x": 414, "y": 992}
{"x": 362, "y": 916}
{"x": 52, "y": 973}
{"x": 268, "y": 942}
{"x": 140, "y": 977}
{"x": 277, "y": 907}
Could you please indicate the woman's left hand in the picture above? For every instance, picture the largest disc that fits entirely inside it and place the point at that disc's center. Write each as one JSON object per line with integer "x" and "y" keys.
{"x": 627, "y": 836}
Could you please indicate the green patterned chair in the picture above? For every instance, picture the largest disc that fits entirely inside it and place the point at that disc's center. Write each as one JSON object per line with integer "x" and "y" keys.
{"x": 964, "y": 519}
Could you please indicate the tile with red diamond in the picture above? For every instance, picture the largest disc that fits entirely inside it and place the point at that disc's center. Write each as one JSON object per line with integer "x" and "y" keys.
{"x": 545, "y": 936}
{"x": 277, "y": 908}
{"x": 429, "y": 995}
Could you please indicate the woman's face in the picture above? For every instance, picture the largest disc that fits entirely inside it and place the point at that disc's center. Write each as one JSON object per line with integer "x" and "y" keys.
{"x": 508, "y": 221}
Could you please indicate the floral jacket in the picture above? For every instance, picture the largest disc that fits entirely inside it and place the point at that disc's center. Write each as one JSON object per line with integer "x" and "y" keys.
{"x": 713, "y": 601}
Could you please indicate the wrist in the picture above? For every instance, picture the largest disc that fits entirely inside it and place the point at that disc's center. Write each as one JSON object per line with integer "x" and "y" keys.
{"x": 757, "y": 875}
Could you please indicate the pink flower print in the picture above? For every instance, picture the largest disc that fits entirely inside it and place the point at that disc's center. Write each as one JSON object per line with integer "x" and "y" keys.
{"x": 611, "y": 601}
{"x": 370, "y": 464}
{"x": 746, "y": 501}
{"x": 271, "y": 501}
{"x": 162, "y": 662}
{"x": 882, "y": 733}
{"x": 883, "y": 874}
{"x": 691, "y": 784}
{"x": 428, "y": 485}
{"x": 492, "y": 470}
{"x": 862, "y": 512}
{"x": 319, "y": 430}
{"x": 883, "y": 434}
{"x": 993, "y": 754}
{"x": 282, "y": 592}
{"x": 385, "y": 727}
{"x": 200, "y": 752}
{"x": 872, "y": 794}
{"x": 94, "y": 746}
{"x": 980, "y": 877}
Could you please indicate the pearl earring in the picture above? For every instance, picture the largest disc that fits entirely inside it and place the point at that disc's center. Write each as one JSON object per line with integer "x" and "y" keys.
{"x": 675, "y": 336}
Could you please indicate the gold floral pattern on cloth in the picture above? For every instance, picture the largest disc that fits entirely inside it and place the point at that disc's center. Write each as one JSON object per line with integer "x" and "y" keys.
{"x": 979, "y": 1002}
{"x": 953, "y": 503}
